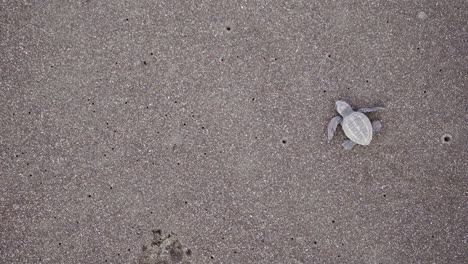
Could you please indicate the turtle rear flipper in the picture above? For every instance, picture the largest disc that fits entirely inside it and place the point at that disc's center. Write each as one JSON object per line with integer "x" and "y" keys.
{"x": 348, "y": 144}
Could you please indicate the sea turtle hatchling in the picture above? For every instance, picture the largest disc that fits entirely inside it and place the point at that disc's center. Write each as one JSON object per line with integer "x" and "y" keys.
{"x": 356, "y": 125}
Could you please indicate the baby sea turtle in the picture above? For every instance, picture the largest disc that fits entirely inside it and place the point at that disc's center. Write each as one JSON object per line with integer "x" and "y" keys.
{"x": 356, "y": 125}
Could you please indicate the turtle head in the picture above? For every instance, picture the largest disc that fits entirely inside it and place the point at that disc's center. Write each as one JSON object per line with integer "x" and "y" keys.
{"x": 343, "y": 108}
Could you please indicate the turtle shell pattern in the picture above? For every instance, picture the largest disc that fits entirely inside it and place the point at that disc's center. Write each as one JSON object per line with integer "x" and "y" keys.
{"x": 358, "y": 128}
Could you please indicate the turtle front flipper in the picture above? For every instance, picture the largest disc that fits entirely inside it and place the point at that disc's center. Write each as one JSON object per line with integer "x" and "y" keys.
{"x": 332, "y": 126}
{"x": 348, "y": 144}
{"x": 369, "y": 109}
